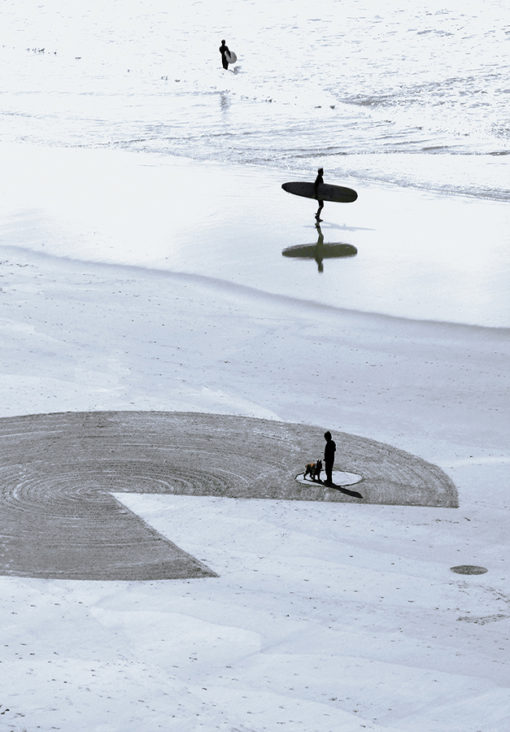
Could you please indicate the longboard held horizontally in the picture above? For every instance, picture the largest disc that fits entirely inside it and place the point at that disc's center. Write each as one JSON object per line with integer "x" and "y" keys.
{"x": 325, "y": 191}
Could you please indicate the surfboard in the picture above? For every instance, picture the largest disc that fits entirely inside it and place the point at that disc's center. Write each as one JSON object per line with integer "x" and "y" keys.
{"x": 325, "y": 192}
{"x": 324, "y": 251}
{"x": 231, "y": 57}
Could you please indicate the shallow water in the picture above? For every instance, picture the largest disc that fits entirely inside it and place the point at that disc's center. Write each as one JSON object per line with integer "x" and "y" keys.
{"x": 401, "y": 92}
{"x": 400, "y": 96}
{"x": 417, "y": 256}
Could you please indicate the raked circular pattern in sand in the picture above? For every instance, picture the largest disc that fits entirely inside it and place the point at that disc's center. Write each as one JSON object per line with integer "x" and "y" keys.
{"x": 59, "y": 519}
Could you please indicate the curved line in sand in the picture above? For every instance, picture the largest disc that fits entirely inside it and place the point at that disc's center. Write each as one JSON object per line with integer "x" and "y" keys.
{"x": 59, "y": 519}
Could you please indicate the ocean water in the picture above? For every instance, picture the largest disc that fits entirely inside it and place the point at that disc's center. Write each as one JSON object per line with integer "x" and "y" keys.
{"x": 387, "y": 97}
{"x": 400, "y": 92}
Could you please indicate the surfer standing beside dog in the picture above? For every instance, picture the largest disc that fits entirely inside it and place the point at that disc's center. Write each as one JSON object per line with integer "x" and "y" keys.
{"x": 329, "y": 457}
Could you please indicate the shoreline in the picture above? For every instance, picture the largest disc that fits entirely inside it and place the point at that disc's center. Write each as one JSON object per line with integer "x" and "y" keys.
{"x": 18, "y": 253}
{"x": 179, "y": 215}
{"x": 261, "y": 640}
{"x": 109, "y": 337}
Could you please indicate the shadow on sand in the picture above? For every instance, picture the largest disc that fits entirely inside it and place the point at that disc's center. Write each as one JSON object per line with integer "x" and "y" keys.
{"x": 336, "y": 487}
{"x": 346, "y": 491}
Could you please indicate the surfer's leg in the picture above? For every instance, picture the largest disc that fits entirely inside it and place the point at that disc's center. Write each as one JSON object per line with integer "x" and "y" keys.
{"x": 318, "y": 214}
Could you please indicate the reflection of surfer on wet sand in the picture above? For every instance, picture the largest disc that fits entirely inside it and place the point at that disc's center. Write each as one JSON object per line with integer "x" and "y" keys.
{"x": 320, "y": 251}
{"x": 319, "y": 248}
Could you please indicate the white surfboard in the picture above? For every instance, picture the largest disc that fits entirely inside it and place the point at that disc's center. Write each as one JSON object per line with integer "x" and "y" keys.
{"x": 231, "y": 57}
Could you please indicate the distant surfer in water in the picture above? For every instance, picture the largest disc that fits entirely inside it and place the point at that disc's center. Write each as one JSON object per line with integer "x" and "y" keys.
{"x": 318, "y": 181}
{"x": 224, "y": 50}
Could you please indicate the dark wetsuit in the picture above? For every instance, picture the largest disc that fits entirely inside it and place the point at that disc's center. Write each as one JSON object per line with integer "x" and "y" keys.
{"x": 318, "y": 181}
{"x": 224, "y": 49}
{"x": 329, "y": 459}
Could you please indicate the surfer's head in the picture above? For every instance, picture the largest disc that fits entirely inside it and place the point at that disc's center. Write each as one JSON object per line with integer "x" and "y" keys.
{"x": 321, "y": 171}
{"x": 223, "y": 42}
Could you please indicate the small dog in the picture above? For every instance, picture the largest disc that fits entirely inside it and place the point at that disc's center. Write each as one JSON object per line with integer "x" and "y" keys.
{"x": 314, "y": 470}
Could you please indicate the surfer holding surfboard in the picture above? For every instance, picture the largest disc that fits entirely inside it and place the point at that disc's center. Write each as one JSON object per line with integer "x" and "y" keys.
{"x": 318, "y": 181}
{"x": 225, "y": 55}
{"x": 320, "y": 191}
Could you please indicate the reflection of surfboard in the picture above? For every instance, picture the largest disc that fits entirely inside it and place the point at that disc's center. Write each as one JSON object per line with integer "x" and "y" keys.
{"x": 231, "y": 57}
{"x": 324, "y": 251}
{"x": 325, "y": 192}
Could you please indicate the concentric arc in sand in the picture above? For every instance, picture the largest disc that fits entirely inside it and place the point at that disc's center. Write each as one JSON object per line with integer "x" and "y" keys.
{"x": 59, "y": 519}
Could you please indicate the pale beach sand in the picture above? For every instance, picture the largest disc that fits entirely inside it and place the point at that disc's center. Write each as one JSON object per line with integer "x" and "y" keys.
{"x": 120, "y": 293}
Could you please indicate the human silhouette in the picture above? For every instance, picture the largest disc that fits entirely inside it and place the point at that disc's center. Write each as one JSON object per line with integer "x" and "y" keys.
{"x": 319, "y": 248}
{"x": 316, "y": 185}
{"x": 329, "y": 458}
{"x": 224, "y": 50}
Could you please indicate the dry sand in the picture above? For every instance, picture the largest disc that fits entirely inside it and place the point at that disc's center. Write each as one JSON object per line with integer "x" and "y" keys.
{"x": 323, "y": 615}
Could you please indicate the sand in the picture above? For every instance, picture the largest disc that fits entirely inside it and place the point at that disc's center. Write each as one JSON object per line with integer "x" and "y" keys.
{"x": 59, "y": 472}
{"x": 323, "y": 615}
